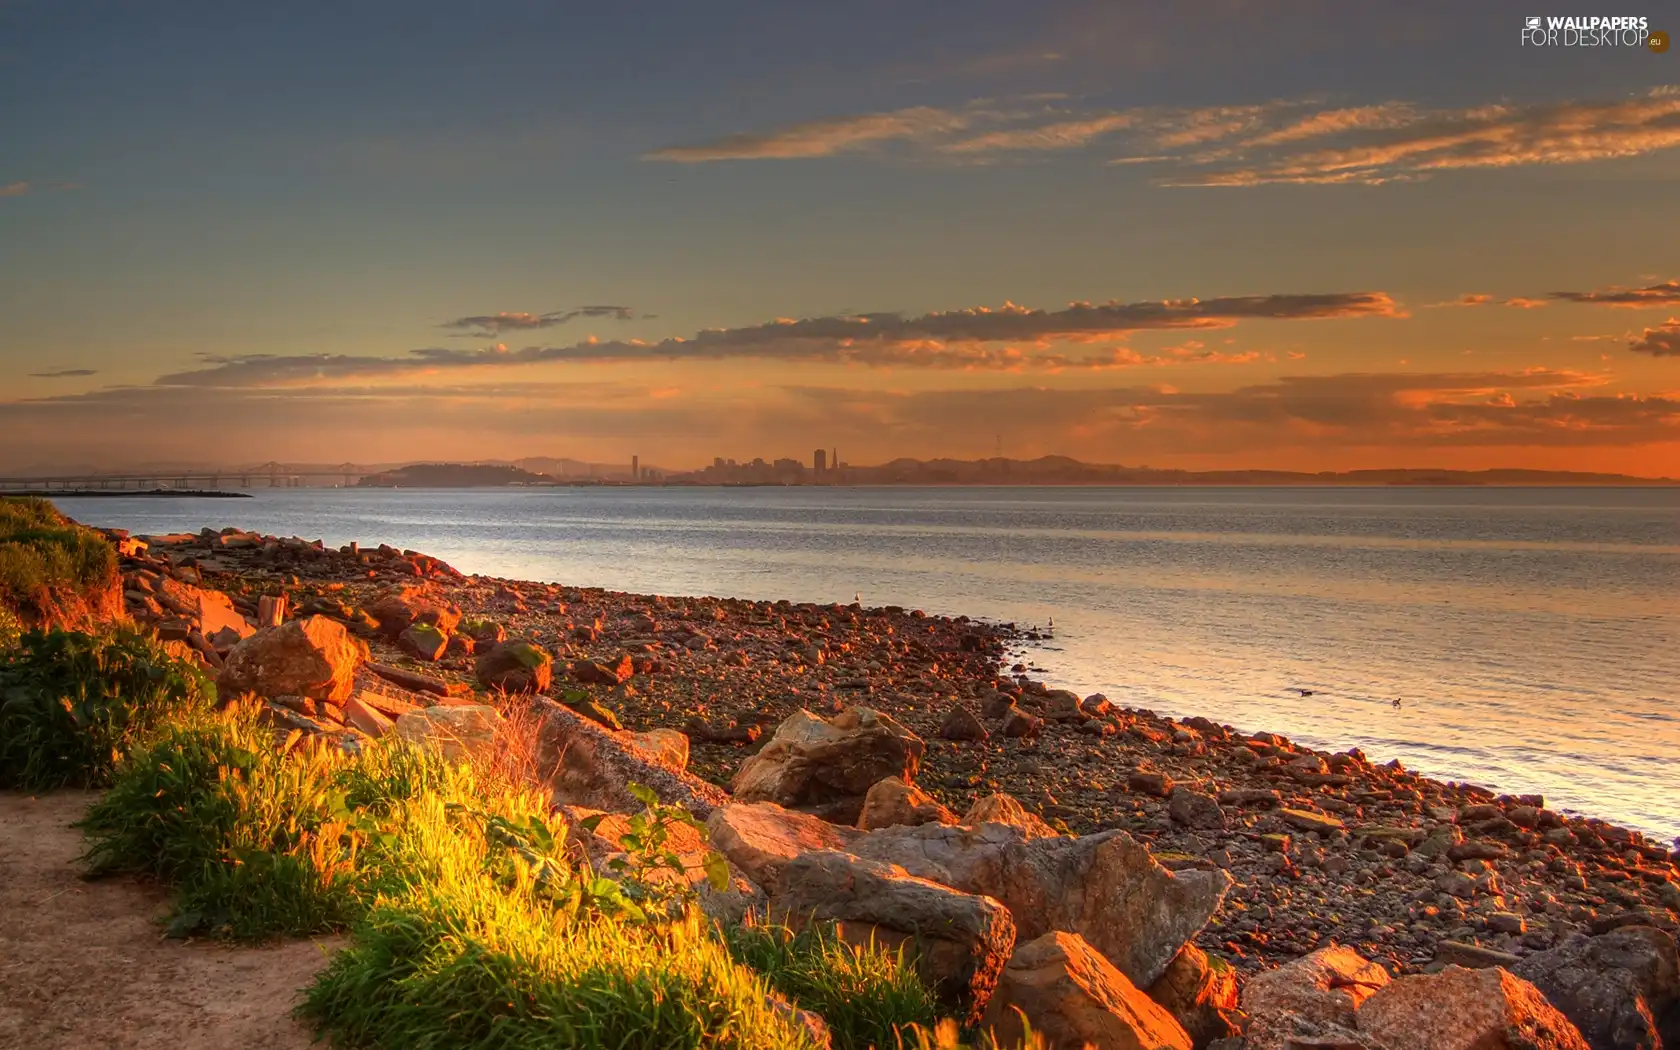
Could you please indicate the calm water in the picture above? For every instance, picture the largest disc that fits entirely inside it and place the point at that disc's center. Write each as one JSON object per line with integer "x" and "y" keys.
{"x": 1533, "y": 634}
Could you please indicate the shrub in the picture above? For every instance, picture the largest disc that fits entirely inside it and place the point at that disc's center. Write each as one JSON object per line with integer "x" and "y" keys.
{"x": 47, "y": 560}
{"x": 870, "y": 997}
{"x": 73, "y": 704}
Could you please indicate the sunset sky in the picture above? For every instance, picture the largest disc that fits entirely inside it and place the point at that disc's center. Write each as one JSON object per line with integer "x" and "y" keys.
{"x": 1293, "y": 235}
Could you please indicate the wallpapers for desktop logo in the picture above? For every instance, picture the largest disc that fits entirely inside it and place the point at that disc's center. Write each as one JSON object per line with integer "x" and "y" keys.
{"x": 1592, "y": 31}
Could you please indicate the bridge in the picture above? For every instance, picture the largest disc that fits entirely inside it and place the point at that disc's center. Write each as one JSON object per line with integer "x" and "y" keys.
{"x": 266, "y": 475}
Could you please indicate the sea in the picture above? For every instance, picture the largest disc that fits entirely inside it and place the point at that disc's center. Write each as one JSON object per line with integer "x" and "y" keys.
{"x": 1524, "y": 639}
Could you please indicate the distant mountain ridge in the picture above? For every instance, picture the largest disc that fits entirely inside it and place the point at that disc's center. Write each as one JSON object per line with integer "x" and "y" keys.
{"x": 1044, "y": 470}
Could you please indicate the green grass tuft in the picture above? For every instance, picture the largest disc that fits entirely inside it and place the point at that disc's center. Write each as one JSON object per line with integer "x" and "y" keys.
{"x": 72, "y": 704}
{"x": 869, "y": 996}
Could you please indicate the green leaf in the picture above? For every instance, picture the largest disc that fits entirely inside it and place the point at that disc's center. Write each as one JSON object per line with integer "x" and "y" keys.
{"x": 717, "y": 871}
{"x": 644, "y": 794}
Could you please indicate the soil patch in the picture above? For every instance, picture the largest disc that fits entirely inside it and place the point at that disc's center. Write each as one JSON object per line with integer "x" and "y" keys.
{"x": 84, "y": 964}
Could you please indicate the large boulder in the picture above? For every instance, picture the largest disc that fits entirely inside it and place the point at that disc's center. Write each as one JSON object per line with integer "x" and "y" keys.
{"x": 314, "y": 657}
{"x": 401, "y": 608}
{"x": 1105, "y": 887}
{"x": 1461, "y": 1009}
{"x": 1076, "y": 999}
{"x": 585, "y": 764}
{"x": 515, "y": 667}
{"x": 457, "y": 730}
{"x": 892, "y": 802}
{"x": 1622, "y": 989}
{"x": 1317, "y": 995}
{"x": 1001, "y": 808}
{"x": 960, "y": 940}
{"x": 1201, "y": 995}
{"x": 826, "y": 767}
{"x": 762, "y": 838}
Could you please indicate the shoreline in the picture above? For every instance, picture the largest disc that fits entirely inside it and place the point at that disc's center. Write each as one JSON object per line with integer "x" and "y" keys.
{"x": 1323, "y": 845}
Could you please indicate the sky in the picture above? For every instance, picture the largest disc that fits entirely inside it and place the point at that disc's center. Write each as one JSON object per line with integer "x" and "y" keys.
{"x": 1296, "y": 235}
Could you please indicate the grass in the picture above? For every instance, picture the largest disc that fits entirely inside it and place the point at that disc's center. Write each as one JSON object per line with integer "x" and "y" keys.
{"x": 46, "y": 559}
{"x": 471, "y": 921}
{"x": 72, "y": 704}
{"x": 868, "y": 996}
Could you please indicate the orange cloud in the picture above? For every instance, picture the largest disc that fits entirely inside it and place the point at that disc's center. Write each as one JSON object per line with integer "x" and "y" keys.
{"x": 1662, "y": 341}
{"x": 822, "y": 138}
{"x": 1666, "y": 293}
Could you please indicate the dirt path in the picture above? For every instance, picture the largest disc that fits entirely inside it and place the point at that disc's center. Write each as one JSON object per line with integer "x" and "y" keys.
{"x": 83, "y": 964}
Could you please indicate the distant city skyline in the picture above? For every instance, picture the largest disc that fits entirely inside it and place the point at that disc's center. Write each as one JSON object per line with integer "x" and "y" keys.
{"x": 1201, "y": 235}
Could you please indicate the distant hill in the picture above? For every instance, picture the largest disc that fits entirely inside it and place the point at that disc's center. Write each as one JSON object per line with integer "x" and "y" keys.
{"x": 452, "y": 476}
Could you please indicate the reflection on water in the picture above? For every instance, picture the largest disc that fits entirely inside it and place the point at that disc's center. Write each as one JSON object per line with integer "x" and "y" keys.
{"x": 1533, "y": 635}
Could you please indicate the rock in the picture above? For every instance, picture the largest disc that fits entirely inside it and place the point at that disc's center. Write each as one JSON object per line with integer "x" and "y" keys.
{"x": 813, "y": 1025}
{"x": 1507, "y": 922}
{"x": 1075, "y": 998}
{"x": 961, "y": 940}
{"x": 761, "y": 838}
{"x": 515, "y": 667}
{"x": 1201, "y": 996}
{"x": 1315, "y": 995}
{"x": 423, "y": 641}
{"x": 891, "y": 802}
{"x": 314, "y": 657}
{"x": 288, "y": 718}
{"x": 584, "y": 764}
{"x": 595, "y": 672}
{"x": 828, "y": 766}
{"x": 1150, "y": 782}
{"x": 459, "y": 731}
{"x": 220, "y": 622}
{"x": 1306, "y": 820}
{"x": 358, "y": 714}
{"x": 1621, "y": 989}
{"x": 414, "y": 680}
{"x": 595, "y": 711}
{"x": 962, "y": 724}
{"x": 1105, "y": 887}
{"x": 1017, "y": 723}
{"x": 398, "y": 610}
{"x": 391, "y": 707}
{"x": 999, "y": 808}
{"x": 1459, "y": 1009}
{"x": 666, "y": 746}
{"x": 1471, "y": 956}
{"x": 485, "y": 634}
{"x": 1195, "y": 810}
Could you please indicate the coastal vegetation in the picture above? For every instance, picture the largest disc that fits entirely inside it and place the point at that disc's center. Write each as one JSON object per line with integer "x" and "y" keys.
{"x": 472, "y": 924}
{"x": 52, "y": 570}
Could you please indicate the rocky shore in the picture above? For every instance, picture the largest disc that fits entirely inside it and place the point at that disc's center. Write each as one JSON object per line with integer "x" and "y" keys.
{"x": 872, "y": 729}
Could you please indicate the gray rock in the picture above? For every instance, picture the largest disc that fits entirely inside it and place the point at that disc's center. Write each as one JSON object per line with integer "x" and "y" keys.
{"x": 587, "y": 765}
{"x": 1621, "y": 989}
{"x": 1105, "y": 887}
{"x": 1195, "y": 810}
{"x": 828, "y": 765}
